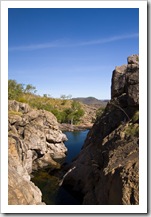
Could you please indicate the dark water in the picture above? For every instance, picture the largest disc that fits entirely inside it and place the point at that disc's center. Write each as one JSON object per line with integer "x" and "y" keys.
{"x": 52, "y": 193}
{"x": 48, "y": 182}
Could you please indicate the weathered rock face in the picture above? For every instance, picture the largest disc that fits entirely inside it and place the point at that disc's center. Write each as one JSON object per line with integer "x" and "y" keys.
{"x": 106, "y": 170}
{"x": 35, "y": 141}
{"x": 125, "y": 80}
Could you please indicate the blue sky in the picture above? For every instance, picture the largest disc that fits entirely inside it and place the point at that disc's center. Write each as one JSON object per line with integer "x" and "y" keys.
{"x": 70, "y": 51}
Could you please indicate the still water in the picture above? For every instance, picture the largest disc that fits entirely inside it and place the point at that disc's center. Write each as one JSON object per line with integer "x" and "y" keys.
{"x": 48, "y": 183}
{"x": 74, "y": 144}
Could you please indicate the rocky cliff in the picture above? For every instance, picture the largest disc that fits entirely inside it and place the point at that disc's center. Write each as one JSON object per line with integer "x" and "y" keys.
{"x": 34, "y": 142}
{"x": 106, "y": 171}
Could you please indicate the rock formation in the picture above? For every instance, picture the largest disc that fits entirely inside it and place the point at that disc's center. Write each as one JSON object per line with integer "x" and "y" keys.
{"x": 34, "y": 142}
{"x": 106, "y": 170}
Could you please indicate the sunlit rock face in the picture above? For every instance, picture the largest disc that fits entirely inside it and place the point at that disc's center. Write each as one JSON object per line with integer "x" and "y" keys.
{"x": 107, "y": 169}
{"x": 34, "y": 142}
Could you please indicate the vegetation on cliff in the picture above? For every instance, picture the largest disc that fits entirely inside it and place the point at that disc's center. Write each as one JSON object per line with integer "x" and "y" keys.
{"x": 68, "y": 111}
{"x": 65, "y": 110}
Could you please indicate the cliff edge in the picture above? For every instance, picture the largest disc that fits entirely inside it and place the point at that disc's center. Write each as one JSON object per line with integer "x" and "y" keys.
{"x": 34, "y": 142}
{"x": 106, "y": 172}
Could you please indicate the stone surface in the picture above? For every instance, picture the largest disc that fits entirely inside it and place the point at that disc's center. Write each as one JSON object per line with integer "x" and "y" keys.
{"x": 118, "y": 81}
{"x": 106, "y": 172}
{"x": 21, "y": 191}
{"x": 125, "y": 80}
{"x": 35, "y": 141}
{"x": 18, "y": 107}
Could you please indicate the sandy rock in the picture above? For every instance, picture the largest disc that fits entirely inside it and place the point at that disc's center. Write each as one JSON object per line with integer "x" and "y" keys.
{"x": 18, "y": 107}
{"x": 30, "y": 133}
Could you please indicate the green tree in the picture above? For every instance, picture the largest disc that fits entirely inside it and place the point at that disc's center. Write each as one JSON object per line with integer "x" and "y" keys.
{"x": 60, "y": 115}
{"x": 15, "y": 90}
{"x": 30, "y": 89}
{"x": 45, "y": 95}
{"x": 67, "y": 115}
{"x": 73, "y": 114}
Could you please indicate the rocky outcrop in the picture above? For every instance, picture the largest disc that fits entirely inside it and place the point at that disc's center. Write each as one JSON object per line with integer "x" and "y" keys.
{"x": 35, "y": 141}
{"x": 125, "y": 80}
{"x": 106, "y": 170}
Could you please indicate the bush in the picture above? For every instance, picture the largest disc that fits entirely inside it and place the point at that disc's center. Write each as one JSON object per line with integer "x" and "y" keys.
{"x": 137, "y": 58}
{"x": 135, "y": 117}
{"x": 132, "y": 130}
{"x": 64, "y": 102}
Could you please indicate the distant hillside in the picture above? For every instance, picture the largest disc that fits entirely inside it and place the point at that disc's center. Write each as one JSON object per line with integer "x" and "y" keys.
{"x": 91, "y": 101}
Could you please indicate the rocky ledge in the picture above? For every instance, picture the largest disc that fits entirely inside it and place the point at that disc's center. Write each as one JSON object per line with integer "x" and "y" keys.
{"x": 69, "y": 127}
{"x": 34, "y": 141}
{"x": 106, "y": 172}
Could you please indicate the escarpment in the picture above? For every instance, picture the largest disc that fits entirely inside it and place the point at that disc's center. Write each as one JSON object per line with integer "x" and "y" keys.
{"x": 106, "y": 171}
{"x": 34, "y": 142}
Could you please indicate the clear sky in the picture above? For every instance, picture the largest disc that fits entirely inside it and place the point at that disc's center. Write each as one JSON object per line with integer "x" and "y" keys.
{"x": 70, "y": 51}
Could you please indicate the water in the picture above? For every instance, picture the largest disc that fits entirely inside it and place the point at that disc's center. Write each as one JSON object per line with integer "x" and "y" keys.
{"x": 48, "y": 183}
{"x": 52, "y": 193}
{"x": 74, "y": 144}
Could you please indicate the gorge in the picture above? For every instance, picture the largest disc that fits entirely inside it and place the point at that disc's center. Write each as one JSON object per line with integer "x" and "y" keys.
{"x": 50, "y": 182}
{"x": 105, "y": 172}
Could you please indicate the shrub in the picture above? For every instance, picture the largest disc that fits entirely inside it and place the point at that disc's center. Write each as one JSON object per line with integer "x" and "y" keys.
{"x": 132, "y": 130}
{"x": 135, "y": 117}
{"x": 137, "y": 58}
{"x": 64, "y": 102}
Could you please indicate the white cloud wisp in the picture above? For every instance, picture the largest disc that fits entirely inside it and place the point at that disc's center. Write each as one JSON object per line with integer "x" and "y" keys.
{"x": 63, "y": 43}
